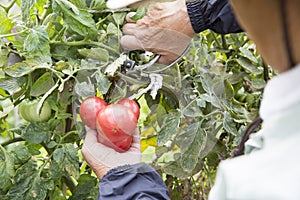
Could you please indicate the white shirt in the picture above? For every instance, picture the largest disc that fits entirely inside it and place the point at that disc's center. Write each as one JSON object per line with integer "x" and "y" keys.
{"x": 273, "y": 172}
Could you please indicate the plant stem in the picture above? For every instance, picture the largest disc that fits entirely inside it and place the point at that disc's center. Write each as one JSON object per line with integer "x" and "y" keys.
{"x": 11, "y": 141}
{"x": 7, "y": 8}
{"x": 68, "y": 134}
{"x": 216, "y": 39}
{"x": 110, "y": 11}
{"x": 131, "y": 80}
{"x": 85, "y": 42}
{"x": 224, "y": 43}
{"x": 13, "y": 34}
{"x": 44, "y": 14}
{"x": 178, "y": 76}
{"x": 266, "y": 72}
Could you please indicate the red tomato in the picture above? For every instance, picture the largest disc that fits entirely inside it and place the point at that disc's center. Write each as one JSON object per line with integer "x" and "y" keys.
{"x": 89, "y": 110}
{"x": 115, "y": 125}
{"x": 132, "y": 105}
{"x": 120, "y": 146}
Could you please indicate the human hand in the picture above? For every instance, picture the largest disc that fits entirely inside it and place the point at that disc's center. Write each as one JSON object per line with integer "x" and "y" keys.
{"x": 102, "y": 158}
{"x": 165, "y": 30}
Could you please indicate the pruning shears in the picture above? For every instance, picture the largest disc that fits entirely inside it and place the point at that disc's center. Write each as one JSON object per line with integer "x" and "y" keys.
{"x": 148, "y": 70}
{"x": 131, "y": 65}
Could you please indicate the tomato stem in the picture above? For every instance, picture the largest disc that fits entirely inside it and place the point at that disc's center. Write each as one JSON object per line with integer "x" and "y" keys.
{"x": 85, "y": 42}
{"x": 7, "y": 8}
{"x": 13, "y": 34}
{"x": 11, "y": 141}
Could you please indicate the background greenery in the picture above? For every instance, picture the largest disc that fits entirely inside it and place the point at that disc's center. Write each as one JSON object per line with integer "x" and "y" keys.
{"x": 58, "y": 51}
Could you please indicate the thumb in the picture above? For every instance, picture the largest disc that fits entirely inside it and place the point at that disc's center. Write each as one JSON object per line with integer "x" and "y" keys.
{"x": 115, "y": 4}
{"x": 90, "y": 137}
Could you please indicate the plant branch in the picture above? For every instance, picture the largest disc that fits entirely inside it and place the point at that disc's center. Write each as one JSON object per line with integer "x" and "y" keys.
{"x": 109, "y": 10}
{"x": 13, "y": 34}
{"x": 85, "y": 42}
{"x": 7, "y": 8}
{"x": 216, "y": 39}
{"x": 14, "y": 140}
{"x": 224, "y": 43}
{"x": 266, "y": 72}
{"x": 68, "y": 134}
{"x": 44, "y": 14}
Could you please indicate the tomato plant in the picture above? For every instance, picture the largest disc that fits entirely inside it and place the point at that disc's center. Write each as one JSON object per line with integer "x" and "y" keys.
{"x": 63, "y": 51}
{"x": 30, "y": 112}
{"x": 115, "y": 125}
{"x": 89, "y": 109}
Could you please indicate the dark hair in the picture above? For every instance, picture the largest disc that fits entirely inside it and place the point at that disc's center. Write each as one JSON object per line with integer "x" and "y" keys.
{"x": 253, "y": 127}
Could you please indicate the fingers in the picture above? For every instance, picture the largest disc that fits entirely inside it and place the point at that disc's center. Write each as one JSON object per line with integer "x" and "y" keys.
{"x": 136, "y": 144}
{"x": 91, "y": 137}
{"x": 130, "y": 42}
{"x": 129, "y": 29}
{"x": 165, "y": 60}
{"x": 128, "y": 17}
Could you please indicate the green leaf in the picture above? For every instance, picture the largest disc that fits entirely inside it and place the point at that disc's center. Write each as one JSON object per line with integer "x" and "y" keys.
{"x": 84, "y": 89}
{"x": 248, "y": 66}
{"x": 37, "y": 45}
{"x": 211, "y": 99}
{"x": 19, "y": 69}
{"x": 29, "y": 184}
{"x": 21, "y": 154}
{"x": 79, "y": 21}
{"x": 119, "y": 17}
{"x": 12, "y": 85}
{"x": 86, "y": 188}
{"x": 229, "y": 90}
{"x": 42, "y": 85}
{"x": 26, "y": 6}
{"x": 103, "y": 82}
{"x": 112, "y": 29}
{"x": 6, "y": 169}
{"x": 58, "y": 194}
{"x": 207, "y": 83}
{"x": 258, "y": 83}
{"x": 66, "y": 159}
{"x": 79, "y": 3}
{"x": 140, "y": 13}
{"x": 169, "y": 128}
{"x": 6, "y": 107}
{"x": 193, "y": 108}
{"x": 37, "y": 133}
{"x": 191, "y": 144}
{"x": 95, "y": 53}
{"x": 6, "y": 24}
{"x": 175, "y": 169}
{"x": 229, "y": 124}
{"x": 248, "y": 54}
{"x": 98, "y": 4}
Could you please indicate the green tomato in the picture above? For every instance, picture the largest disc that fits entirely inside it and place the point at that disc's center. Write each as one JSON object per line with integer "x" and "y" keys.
{"x": 29, "y": 112}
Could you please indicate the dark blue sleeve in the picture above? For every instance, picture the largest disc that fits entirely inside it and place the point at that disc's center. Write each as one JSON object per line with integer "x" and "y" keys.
{"x": 132, "y": 182}
{"x": 216, "y": 15}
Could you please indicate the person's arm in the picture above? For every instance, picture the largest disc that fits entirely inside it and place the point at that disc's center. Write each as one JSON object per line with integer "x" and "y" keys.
{"x": 122, "y": 175}
{"x": 138, "y": 181}
{"x": 216, "y": 15}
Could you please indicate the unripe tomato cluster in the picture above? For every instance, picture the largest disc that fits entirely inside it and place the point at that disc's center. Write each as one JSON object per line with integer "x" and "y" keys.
{"x": 115, "y": 123}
